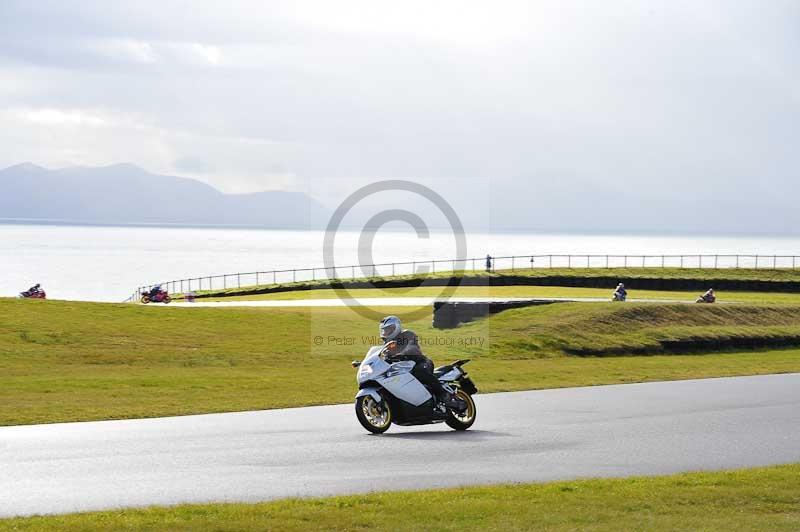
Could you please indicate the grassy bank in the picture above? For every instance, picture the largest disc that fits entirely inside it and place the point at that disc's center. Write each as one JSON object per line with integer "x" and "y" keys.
{"x": 753, "y": 499}
{"x": 63, "y": 361}
{"x": 665, "y": 279}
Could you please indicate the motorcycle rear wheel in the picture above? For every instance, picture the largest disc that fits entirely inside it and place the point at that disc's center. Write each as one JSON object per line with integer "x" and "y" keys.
{"x": 145, "y": 300}
{"x": 465, "y": 420}
{"x": 374, "y": 416}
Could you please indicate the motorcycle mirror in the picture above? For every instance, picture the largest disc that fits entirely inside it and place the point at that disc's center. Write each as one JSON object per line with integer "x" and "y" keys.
{"x": 355, "y": 363}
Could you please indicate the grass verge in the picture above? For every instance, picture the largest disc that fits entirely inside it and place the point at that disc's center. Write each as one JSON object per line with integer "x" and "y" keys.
{"x": 70, "y": 361}
{"x": 750, "y": 499}
{"x": 671, "y": 279}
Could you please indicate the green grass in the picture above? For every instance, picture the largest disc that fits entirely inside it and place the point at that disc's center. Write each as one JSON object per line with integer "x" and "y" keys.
{"x": 516, "y": 291}
{"x": 744, "y": 500}
{"x": 70, "y": 361}
{"x": 591, "y": 277}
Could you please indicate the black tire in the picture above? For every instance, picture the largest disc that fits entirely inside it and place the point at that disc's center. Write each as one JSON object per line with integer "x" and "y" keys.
{"x": 167, "y": 299}
{"x": 462, "y": 422}
{"x": 145, "y": 299}
{"x": 363, "y": 405}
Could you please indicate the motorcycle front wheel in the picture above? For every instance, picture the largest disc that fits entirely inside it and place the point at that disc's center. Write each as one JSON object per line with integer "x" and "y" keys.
{"x": 167, "y": 299}
{"x": 374, "y": 416}
{"x": 464, "y": 420}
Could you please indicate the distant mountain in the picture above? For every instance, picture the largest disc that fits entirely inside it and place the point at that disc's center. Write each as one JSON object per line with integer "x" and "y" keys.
{"x": 127, "y": 194}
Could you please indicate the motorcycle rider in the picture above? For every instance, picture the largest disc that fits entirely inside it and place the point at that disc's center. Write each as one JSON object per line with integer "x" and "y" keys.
{"x": 35, "y": 289}
{"x": 154, "y": 291}
{"x": 709, "y": 296}
{"x": 620, "y": 293}
{"x": 404, "y": 345}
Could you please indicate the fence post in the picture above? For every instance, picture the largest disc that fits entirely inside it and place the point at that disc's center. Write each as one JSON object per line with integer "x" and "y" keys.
{"x": 606, "y": 262}
{"x": 294, "y": 276}
{"x": 662, "y": 262}
{"x": 550, "y": 263}
{"x": 756, "y": 262}
{"x": 393, "y": 269}
{"x": 239, "y": 280}
{"x": 626, "y": 261}
{"x": 473, "y": 265}
{"x": 569, "y": 262}
{"x": 513, "y": 261}
{"x": 352, "y": 272}
{"x": 716, "y": 262}
{"x": 256, "y": 278}
{"x": 273, "y": 277}
{"x": 737, "y": 262}
{"x": 643, "y": 261}
{"x": 774, "y": 262}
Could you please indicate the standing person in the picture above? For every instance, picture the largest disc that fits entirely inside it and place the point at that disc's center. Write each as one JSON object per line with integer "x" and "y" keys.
{"x": 488, "y": 262}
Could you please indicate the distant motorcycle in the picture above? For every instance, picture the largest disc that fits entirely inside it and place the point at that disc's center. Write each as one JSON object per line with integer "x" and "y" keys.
{"x": 706, "y": 299}
{"x": 33, "y": 294}
{"x": 619, "y": 296}
{"x": 389, "y": 393}
{"x": 159, "y": 297}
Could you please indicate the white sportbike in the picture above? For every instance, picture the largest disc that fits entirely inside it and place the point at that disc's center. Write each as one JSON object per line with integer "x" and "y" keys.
{"x": 389, "y": 393}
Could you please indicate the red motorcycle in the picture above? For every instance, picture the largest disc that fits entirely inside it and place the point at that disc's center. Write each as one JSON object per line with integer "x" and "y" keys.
{"x": 33, "y": 294}
{"x": 159, "y": 297}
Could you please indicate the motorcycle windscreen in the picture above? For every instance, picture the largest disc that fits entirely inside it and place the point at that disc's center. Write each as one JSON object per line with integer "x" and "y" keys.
{"x": 406, "y": 388}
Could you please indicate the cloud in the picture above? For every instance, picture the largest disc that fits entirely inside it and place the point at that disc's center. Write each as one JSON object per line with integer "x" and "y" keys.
{"x": 645, "y": 100}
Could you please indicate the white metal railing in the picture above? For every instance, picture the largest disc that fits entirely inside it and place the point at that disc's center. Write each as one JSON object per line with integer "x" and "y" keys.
{"x": 511, "y": 262}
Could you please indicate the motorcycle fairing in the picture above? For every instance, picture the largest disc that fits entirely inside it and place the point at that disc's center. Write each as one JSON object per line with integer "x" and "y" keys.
{"x": 405, "y": 386}
{"x": 373, "y": 392}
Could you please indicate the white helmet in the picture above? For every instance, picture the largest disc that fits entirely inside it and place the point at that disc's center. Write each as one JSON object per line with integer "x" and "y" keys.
{"x": 390, "y": 327}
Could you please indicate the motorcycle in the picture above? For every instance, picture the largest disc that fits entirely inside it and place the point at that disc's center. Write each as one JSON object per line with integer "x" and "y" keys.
{"x": 619, "y": 296}
{"x": 389, "y": 393}
{"x": 33, "y": 294}
{"x": 706, "y": 299}
{"x": 160, "y": 297}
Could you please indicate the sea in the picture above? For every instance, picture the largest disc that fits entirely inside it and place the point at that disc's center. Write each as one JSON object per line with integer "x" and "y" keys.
{"x": 108, "y": 263}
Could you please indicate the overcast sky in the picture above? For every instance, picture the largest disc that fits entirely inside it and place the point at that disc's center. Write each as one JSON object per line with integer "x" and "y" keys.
{"x": 660, "y": 98}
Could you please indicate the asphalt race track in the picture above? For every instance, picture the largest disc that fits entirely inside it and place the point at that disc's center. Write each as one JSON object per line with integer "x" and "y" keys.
{"x": 395, "y": 301}
{"x": 634, "y": 429}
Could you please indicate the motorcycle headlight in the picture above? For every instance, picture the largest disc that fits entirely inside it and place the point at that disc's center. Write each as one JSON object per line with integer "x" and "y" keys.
{"x": 365, "y": 370}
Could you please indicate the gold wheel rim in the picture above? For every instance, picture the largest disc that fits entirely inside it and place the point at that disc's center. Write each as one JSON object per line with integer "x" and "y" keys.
{"x": 469, "y": 413}
{"x": 377, "y": 416}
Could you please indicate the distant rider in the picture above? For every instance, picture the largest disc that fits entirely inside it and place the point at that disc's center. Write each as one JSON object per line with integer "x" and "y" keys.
{"x": 154, "y": 291}
{"x": 620, "y": 293}
{"x": 404, "y": 345}
{"x": 709, "y": 296}
{"x": 35, "y": 289}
